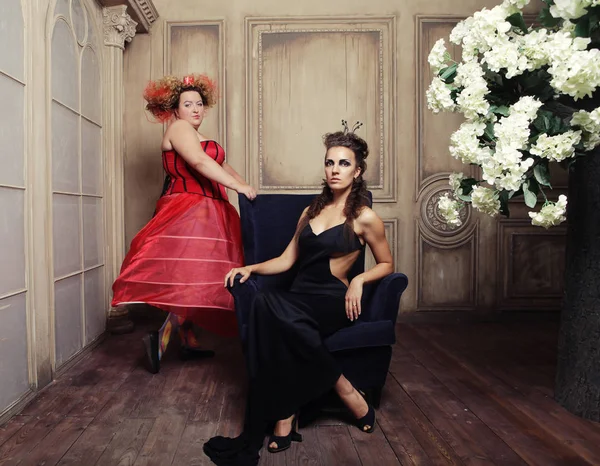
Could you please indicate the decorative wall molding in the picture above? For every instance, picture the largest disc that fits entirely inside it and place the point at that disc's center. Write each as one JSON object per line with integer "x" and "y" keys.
{"x": 258, "y": 30}
{"x": 143, "y": 12}
{"x": 118, "y": 26}
{"x": 429, "y": 280}
{"x": 530, "y": 266}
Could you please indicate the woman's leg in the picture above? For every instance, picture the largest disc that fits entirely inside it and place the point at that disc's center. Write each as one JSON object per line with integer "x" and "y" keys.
{"x": 170, "y": 326}
{"x": 353, "y": 400}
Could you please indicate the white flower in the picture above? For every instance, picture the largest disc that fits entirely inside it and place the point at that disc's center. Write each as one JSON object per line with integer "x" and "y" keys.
{"x": 454, "y": 181}
{"x": 526, "y": 105}
{"x": 471, "y": 100}
{"x": 578, "y": 75}
{"x": 439, "y": 96}
{"x": 506, "y": 54}
{"x": 464, "y": 144}
{"x": 570, "y": 9}
{"x": 449, "y": 209}
{"x": 533, "y": 47}
{"x": 551, "y": 214}
{"x": 556, "y": 148}
{"x": 459, "y": 31}
{"x": 520, "y": 4}
{"x": 485, "y": 200}
{"x": 438, "y": 56}
{"x": 589, "y": 122}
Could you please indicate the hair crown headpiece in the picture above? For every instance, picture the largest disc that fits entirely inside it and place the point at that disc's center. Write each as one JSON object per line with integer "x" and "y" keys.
{"x": 347, "y": 129}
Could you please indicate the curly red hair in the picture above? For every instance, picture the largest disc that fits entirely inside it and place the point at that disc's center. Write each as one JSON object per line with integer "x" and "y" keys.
{"x": 163, "y": 94}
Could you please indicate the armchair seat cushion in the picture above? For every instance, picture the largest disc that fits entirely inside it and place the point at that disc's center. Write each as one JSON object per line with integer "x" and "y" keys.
{"x": 362, "y": 335}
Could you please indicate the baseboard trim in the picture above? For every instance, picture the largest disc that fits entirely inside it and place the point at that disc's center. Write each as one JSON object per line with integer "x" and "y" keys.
{"x": 79, "y": 356}
{"x": 457, "y": 317}
{"x": 17, "y": 406}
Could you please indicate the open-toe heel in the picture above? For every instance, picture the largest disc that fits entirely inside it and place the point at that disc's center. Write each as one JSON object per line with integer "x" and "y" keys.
{"x": 285, "y": 442}
{"x": 367, "y": 422}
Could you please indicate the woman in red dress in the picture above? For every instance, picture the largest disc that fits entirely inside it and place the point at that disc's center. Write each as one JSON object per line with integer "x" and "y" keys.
{"x": 177, "y": 261}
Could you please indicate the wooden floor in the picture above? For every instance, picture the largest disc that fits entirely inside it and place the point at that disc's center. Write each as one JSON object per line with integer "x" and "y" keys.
{"x": 469, "y": 394}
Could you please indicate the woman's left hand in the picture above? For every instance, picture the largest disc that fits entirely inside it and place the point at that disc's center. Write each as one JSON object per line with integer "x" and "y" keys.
{"x": 353, "y": 297}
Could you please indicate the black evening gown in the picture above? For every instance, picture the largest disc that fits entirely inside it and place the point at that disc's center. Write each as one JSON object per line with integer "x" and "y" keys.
{"x": 288, "y": 364}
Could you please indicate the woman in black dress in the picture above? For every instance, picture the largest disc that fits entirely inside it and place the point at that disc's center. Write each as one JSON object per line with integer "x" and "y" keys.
{"x": 287, "y": 362}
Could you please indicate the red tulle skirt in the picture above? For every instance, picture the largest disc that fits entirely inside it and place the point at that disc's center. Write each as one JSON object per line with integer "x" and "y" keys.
{"x": 179, "y": 260}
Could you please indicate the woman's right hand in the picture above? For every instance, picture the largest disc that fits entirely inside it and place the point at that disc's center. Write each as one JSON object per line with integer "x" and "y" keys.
{"x": 243, "y": 271}
{"x": 247, "y": 191}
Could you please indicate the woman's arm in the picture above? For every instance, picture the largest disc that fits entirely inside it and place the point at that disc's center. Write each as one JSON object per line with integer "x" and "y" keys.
{"x": 229, "y": 169}
{"x": 184, "y": 140}
{"x": 279, "y": 264}
{"x": 373, "y": 231}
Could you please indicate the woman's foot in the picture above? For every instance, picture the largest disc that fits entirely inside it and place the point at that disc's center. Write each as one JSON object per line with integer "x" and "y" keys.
{"x": 284, "y": 434}
{"x": 152, "y": 359}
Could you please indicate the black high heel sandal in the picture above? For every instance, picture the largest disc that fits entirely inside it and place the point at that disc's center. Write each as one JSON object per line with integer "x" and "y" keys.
{"x": 367, "y": 422}
{"x": 285, "y": 442}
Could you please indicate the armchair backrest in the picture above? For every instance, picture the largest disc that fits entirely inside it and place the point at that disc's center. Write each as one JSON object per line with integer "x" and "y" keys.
{"x": 268, "y": 225}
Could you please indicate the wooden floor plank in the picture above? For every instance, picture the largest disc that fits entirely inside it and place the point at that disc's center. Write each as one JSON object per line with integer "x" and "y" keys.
{"x": 545, "y": 414}
{"x": 373, "y": 449}
{"x": 513, "y": 427}
{"x": 12, "y": 426}
{"x": 336, "y": 446}
{"x": 162, "y": 441}
{"x": 127, "y": 443}
{"x": 397, "y": 405}
{"x": 54, "y": 445}
{"x": 189, "y": 450}
{"x": 501, "y": 374}
{"x": 470, "y": 438}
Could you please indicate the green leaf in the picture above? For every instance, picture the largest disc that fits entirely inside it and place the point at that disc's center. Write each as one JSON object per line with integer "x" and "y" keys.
{"x": 582, "y": 29}
{"x": 541, "y": 173}
{"x": 530, "y": 197}
{"x": 464, "y": 197}
{"x": 500, "y": 110}
{"x": 447, "y": 74}
{"x": 546, "y": 19}
{"x": 504, "y": 203}
{"x": 489, "y": 131}
{"x": 517, "y": 21}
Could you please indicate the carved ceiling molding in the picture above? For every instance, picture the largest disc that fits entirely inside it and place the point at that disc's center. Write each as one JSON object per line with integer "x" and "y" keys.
{"x": 118, "y": 26}
{"x": 142, "y": 12}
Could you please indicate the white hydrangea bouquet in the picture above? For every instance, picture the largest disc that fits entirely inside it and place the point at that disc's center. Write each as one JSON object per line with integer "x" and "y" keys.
{"x": 518, "y": 89}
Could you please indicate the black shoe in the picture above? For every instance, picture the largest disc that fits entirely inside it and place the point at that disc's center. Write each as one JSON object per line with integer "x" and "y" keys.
{"x": 186, "y": 353}
{"x": 151, "y": 346}
{"x": 367, "y": 422}
{"x": 285, "y": 442}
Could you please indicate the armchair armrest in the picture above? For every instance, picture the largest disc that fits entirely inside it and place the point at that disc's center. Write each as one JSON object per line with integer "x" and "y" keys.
{"x": 243, "y": 295}
{"x": 383, "y": 298}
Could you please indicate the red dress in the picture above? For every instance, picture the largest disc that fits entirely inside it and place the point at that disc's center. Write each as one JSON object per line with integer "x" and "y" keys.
{"x": 179, "y": 260}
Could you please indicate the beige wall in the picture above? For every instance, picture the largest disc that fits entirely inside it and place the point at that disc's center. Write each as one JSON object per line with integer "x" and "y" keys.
{"x": 289, "y": 71}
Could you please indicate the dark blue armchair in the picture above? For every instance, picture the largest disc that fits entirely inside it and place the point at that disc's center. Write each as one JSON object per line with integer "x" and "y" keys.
{"x": 363, "y": 350}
